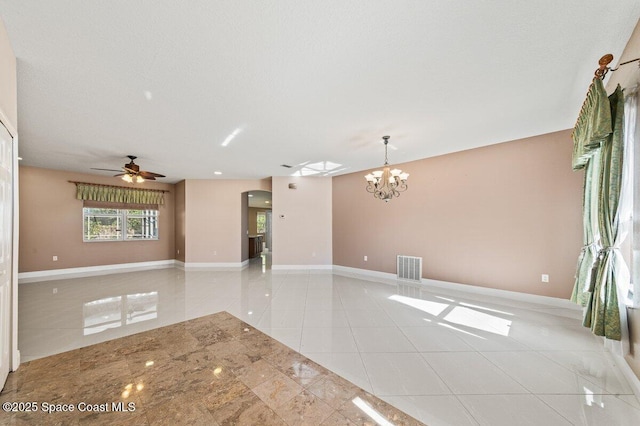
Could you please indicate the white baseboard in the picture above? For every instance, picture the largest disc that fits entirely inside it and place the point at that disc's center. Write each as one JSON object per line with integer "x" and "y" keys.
{"x": 88, "y": 271}
{"x": 629, "y": 374}
{"x": 389, "y": 278}
{"x": 555, "y": 302}
{"x": 301, "y": 267}
{"x": 384, "y": 277}
{"x": 217, "y": 266}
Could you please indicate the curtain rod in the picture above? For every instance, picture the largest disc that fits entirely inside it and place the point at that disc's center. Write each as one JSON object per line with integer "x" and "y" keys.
{"x": 116, "y": 186}
{"x": 603, "y": 69}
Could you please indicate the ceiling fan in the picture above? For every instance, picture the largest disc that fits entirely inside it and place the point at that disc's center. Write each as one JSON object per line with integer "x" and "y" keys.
{"x": 133, "y": 173}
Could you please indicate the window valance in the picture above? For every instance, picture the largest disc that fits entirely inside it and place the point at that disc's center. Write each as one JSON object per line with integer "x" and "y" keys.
{"x": 118, "y": 194}
{"x": 593, "y": 125}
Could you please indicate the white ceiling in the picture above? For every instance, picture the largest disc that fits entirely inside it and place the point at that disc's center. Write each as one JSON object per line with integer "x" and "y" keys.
{"x": 312, "y": 84}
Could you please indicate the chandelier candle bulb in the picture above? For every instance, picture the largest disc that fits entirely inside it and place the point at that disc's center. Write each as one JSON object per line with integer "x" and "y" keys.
{"x": 386, "y": 183}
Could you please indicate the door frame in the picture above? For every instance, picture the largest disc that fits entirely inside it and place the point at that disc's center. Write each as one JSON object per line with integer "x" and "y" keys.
{"x": 14, "y": 353}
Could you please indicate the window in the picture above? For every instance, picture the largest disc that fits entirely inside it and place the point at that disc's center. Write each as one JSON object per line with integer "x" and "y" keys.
{"x": 119, "y": 224}
{"x": 261, "y": 222}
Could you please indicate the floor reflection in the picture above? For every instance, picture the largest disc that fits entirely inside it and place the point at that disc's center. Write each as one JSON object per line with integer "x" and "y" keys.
{"x": 111, "y": 312}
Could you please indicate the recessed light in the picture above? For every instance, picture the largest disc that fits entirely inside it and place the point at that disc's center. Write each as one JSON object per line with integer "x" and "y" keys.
{"x": 217, "y": 173}
{"x": 19, "y": 158}
{"x": 267, "y": 202}
{"x": 250, "y": 195}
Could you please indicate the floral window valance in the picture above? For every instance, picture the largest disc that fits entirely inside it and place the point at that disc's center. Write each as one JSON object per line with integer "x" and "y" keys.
{"x": 118, "y": 194}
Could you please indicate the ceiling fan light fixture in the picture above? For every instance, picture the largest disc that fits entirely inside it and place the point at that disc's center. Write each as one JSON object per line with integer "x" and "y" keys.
{"x": 131, "y": 172}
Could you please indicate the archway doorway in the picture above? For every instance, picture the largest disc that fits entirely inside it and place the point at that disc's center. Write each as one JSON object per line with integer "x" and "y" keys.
{"x": 259, "y": 219}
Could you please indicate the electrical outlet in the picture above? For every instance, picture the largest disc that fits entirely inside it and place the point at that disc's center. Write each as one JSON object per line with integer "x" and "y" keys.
{"x": 55, "y": 291}
{"x": 215, "y": 252}
{"x": 365, "y": 258}
{"x": 55, "y": 258}
{"x": 544, "y": 278}
{"x": 178, "y": 251}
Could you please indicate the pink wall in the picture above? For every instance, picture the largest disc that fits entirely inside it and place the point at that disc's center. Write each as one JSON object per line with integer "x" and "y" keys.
{"x": 498, "y": 216}
{"x": 51, "y": 225}
{"x": 213, "y": 219}
{"x": 303, "y": 236}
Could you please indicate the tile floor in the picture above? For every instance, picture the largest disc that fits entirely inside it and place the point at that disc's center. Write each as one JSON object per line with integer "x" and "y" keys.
{"x": 212, "y": 370}
{"x": 444, "y": 357}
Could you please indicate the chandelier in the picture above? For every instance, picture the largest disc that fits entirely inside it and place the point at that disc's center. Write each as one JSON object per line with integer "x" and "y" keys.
{"x": 386, "y": 184}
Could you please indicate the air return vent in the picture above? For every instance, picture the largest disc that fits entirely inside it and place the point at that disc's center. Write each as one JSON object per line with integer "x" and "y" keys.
{"x": 410, "y": 268}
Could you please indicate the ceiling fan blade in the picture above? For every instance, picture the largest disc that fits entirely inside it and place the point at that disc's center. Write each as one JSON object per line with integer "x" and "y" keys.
{"x": 108, "y": 170}
{"x": 121, "y": 174}
{"x": 149, "y": 175}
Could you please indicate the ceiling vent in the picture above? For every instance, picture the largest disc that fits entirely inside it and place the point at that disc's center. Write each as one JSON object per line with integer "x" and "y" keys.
{"x": 286, "y": 165}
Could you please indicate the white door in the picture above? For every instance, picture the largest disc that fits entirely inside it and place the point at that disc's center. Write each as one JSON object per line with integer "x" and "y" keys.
{"x": 6, "y": 225}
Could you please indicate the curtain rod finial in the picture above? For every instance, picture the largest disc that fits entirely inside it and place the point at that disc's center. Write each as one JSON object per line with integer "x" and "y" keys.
{"x": 603, "y": 63}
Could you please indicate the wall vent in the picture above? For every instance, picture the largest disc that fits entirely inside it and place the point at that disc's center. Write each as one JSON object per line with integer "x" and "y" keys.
{"x": 410, "y": 268}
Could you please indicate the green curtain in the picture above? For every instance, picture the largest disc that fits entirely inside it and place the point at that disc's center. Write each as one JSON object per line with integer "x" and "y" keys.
{"x": 118, "y": 194}
{"x": 591, "y": 235}
{"x": 592, "y": 127}
{"x": 603, "y": 313}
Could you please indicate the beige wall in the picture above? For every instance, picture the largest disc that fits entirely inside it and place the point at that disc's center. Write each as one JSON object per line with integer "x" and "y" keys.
{"x": 498, "y": 216}
{"x": 8, "y": 82}
{"x": 303, "y": 236}
{"x": 179, "y": 198}
{"x": 51, "y": 225}
{"x": 213, "y": 219}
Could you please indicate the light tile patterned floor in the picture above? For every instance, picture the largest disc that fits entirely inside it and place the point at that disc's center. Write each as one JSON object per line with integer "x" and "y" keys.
{"x": 443, "y": 357}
